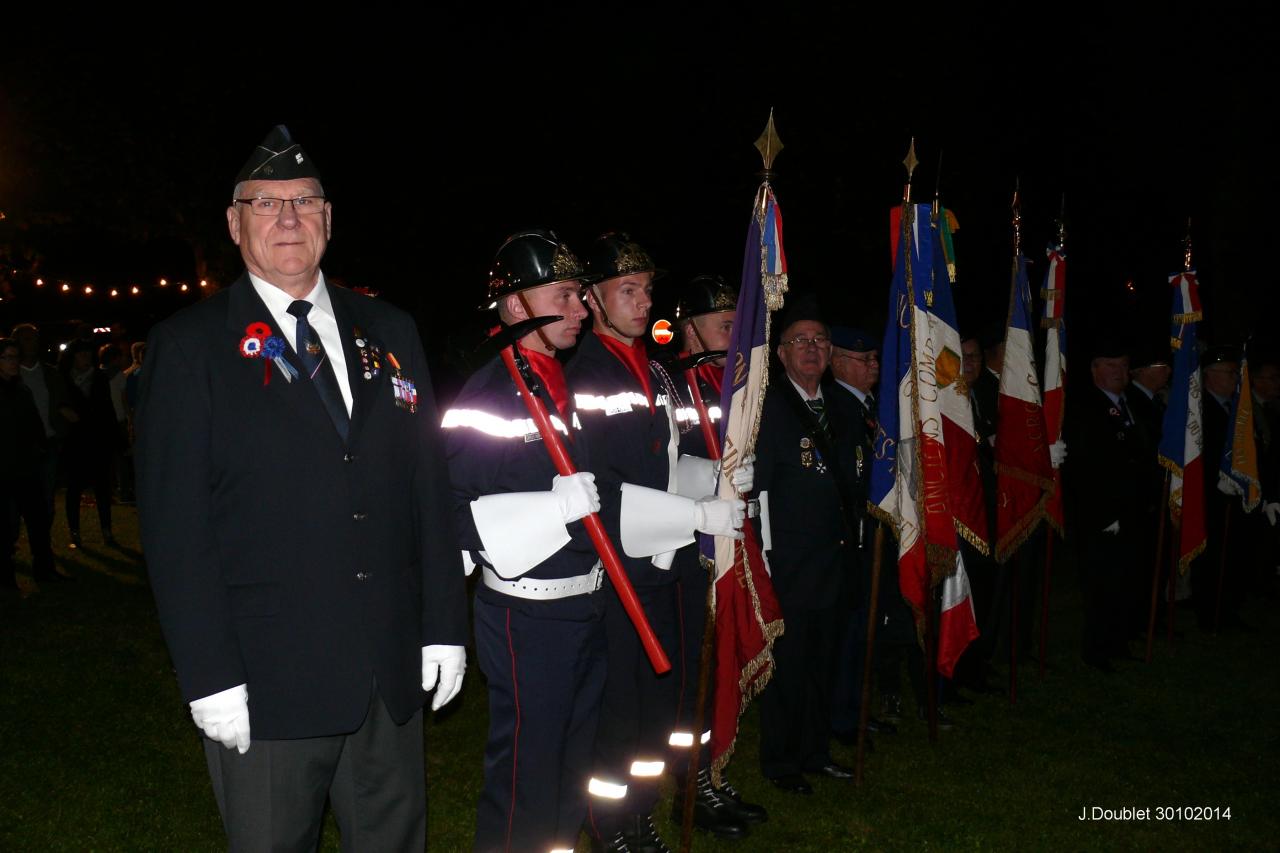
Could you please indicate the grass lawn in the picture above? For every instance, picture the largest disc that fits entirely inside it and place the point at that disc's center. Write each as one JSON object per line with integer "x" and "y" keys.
{"x": 98, "y": 752}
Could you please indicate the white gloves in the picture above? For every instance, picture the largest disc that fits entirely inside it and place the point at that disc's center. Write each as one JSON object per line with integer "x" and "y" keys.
{"x": 744, "y": 476}
{"x": 1058, "y": 453}
{"x": 1229, "y": 487}
{"x": 717, "y": 517}
{"x": 1113, "y": 527}
{"x": 1271, "y": 511}
{"x": 224, "y": 717}
{"x": 577, "y": 495}
{"x": 442, "y": 669}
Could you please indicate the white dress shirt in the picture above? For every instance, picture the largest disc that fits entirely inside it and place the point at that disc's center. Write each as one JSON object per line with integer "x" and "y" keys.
{"x": 321, "y": 318}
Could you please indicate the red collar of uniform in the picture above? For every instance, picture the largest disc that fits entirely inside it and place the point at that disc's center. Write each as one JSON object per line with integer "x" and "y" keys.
{"x": 708, "y": 373}
{"x": 551, "y": 372}
{"x": 712, "y": 374}
{"x": 634, "y": 356}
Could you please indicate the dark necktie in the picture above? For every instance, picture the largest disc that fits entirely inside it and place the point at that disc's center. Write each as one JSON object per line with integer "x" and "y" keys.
{"x": 873, "y": 413}
{"x": 1124, "y": 412}
{"x": 317, "y": 367}
{"x": 819, "y": 408}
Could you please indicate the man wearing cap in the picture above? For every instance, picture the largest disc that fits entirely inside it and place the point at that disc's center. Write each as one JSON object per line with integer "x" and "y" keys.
{"x": 1108, "y": 478}
{"x": 1219, "y": 373}
{"x": 539, "y": 605}
{"x": 807, "y": 465}
{"x": 296, "y": 517}
{"x": 704, "y": 316}
{"x": 855, "y": 366}
{"x": 1149, "y": 374}
{"x": 653, "y": 501}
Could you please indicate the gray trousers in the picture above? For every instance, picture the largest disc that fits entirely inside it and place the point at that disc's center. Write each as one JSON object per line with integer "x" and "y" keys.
{"x": 272, "y": 797}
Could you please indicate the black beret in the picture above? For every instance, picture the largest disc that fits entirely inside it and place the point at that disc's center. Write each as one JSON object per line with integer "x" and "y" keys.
{"x": 854, "y": 340}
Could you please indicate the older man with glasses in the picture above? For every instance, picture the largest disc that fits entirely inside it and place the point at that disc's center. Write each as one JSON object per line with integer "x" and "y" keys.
{"x": 296, "y": 515}
{"x": 810, "y": 469}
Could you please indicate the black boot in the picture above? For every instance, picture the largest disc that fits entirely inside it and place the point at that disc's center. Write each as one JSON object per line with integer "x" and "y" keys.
{"x": 712, "y": 811}
{"x": 744, "y": 811}
{"x": 641, "y": 836}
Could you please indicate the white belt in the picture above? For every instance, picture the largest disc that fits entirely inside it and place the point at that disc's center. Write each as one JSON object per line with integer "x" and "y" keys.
{"x": 538, "y": 589}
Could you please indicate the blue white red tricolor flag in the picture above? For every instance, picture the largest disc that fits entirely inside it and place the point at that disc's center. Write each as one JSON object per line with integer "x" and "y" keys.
{"x": 1181, "y": 450}
{"x": 1024, "y": 477}
{"x": 1239, "y": 462}
{"x": 748, "y": 618}
{"x": 924, "y": 477}
{"x": 1054, "y": 322}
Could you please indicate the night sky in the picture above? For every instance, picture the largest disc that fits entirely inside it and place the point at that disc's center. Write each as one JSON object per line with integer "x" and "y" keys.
{"x": 435, "y": 143}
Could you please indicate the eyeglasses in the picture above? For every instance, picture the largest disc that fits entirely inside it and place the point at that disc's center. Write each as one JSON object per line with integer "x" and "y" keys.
{"x": 865, "y": 359}
{"x": 273, "y": 206}
{"x": 821, "y": 342}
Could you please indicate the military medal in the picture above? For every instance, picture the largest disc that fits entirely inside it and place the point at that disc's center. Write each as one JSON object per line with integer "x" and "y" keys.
{"x": 806, "y": 452}
{"x": 370, "y": 356}
{"x": 406, "y": 394}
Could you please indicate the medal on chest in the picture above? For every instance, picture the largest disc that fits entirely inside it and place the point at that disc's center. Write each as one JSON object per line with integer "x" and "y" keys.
{"x": 370, "y": 356}
{"x": 406, "y": 393}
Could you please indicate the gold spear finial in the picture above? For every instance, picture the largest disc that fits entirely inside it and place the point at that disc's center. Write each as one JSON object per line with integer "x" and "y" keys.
{"x": 910, "y": 162}
{"x": 769, "y": 145}
{"x": 1186, "y": 256}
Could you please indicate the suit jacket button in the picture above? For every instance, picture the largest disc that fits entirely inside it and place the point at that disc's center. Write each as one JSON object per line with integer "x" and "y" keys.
{"x": 359, "y": 516}
{"x": 362, "y": 576}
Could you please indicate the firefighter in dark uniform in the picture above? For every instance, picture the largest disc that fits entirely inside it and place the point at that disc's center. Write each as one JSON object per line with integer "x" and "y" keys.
{"x": 704, "y": 316}
{"x": 652, "y": 502}
{"x": 539, "y": 604}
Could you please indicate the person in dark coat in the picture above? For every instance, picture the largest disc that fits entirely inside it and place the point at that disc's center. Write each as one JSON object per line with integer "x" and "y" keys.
{"x": 1219, "y": 373}
{"x": 1108, "y": 476}
{"x": 22, "y": 446}
{"x": 298, "y": 529}
{"x": 855, "y": 367}
{"x": 92, "y": 439}
{"x": 807, "y": 464}
{"x": 1149, "y": 374}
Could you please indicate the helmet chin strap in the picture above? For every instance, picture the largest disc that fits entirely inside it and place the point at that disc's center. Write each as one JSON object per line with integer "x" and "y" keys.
{"x": 542, "y": 336}
{"x": 693, "y": 324}
{"x": 604, "y": 315}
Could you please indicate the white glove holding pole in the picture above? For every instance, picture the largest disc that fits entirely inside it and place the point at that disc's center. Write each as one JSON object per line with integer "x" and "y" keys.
{"x": 1112, "y": 528}
{"x": 717, "y": 517}
{"x": 224, "y": 717}
{"x": 1229, "y": 487}
{"x": 744, "y": 476}
{"x": 1057, "y": 453}
{"x": 577, "y": 495}
{"x": 1271, "y": 511}
{"x": 442, "y": 670}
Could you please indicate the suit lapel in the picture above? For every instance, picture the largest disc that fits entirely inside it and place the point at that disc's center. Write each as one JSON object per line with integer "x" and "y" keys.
{"x": 299, "y": 396}
{"x": 364, "y": 392}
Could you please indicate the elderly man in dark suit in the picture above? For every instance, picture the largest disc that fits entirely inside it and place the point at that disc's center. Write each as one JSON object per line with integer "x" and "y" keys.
{"x": 807, "y": 463}
{"x": 1109, "y": 480}
{"x": 297, "y": 526}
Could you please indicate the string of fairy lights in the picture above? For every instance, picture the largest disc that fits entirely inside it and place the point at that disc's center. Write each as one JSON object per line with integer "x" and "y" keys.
{"x": 87, "y": 290}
